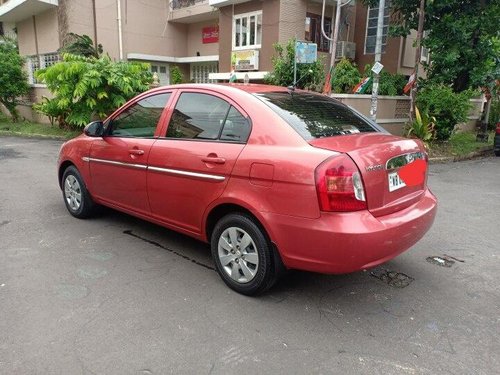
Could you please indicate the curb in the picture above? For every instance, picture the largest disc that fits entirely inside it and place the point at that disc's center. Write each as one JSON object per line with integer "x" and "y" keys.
{"x": 34, "y": 135}
{"x": 483, "y": 152}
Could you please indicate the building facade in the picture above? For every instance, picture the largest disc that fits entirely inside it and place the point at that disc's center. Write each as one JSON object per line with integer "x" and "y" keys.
{"x": 203, "y": 37}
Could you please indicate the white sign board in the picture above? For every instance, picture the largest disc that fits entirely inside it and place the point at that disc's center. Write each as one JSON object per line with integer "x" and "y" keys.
{"x": 377, "y": 68}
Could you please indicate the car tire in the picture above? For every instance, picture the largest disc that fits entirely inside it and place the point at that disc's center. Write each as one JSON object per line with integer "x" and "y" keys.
{"x": 497, "y": 152}
{"x": 247, "y": 267}
{"x": 76, "y": 196}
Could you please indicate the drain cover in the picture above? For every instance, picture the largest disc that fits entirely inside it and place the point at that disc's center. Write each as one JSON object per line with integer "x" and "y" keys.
{"x": 393, "y": 278}
{"x": 440, "y": 261}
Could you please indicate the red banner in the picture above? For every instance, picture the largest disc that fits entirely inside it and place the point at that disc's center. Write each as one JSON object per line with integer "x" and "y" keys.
{"x": 210, "y": 34}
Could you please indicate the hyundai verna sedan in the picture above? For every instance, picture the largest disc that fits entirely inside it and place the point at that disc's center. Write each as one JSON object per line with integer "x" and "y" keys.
{"x": 272, "y": 179}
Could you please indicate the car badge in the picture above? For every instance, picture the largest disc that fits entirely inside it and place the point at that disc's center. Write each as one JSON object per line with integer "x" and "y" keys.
{"x": 376, "y": 167}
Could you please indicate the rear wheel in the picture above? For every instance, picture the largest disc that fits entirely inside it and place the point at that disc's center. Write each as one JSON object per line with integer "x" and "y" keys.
{"x": 497, "y": 152}
{"x": 243, "y": 254}
{"x": 76, "y": 197}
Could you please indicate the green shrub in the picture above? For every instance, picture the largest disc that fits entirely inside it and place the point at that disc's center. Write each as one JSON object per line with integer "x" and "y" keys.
{"x": 176, "y": 75}
{"x": 389, "y": 83}
{"x": 345, "y": 76}
{"x": 84, "y": 88}
{"x": 309, "y": 76}
{"x": 13, "y": 78}
{"x": 447, "y": 107}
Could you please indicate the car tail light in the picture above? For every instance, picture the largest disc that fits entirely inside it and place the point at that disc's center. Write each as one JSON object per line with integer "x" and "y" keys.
{"x": 498, "y": 128}
{"x": 339, "y": 185}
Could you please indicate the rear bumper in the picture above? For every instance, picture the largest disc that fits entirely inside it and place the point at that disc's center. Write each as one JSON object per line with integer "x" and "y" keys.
{"x": 348, "y": 242}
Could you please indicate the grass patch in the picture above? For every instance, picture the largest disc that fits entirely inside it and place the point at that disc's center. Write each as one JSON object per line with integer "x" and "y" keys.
{"x": 30, "y": 129}
{"x": 459, "y": 144}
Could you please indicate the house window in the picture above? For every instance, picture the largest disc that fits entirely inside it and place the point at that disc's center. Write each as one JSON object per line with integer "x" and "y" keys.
{"x": 37, "y": 62}
{"x": 200, "y": 72}
{"x": 247, "y": 30}
{"x": 314, "y": 34}
{"x": 371, "y": 28}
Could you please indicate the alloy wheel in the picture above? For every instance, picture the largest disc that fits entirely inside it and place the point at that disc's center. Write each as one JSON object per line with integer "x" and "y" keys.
{"x": 238, "y": 255}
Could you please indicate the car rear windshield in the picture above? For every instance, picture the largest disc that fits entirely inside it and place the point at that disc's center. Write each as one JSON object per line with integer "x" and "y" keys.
{"x": 314, "y": 115}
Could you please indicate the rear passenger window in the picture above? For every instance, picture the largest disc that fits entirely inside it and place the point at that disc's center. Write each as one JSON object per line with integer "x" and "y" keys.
{"x": 140, "y": 119}
{"x": 198, "y": 116}
{"x": 236, "y": 127}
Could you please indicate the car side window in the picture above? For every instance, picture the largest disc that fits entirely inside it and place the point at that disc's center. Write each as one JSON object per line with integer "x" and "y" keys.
{"x": 140, "y": 119}
{"x": 198, "y": 116}
{"x": 236, "y": 127}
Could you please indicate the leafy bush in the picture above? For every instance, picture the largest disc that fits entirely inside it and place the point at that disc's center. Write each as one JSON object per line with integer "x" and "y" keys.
{"x": 309, "y": 76}
{"x": 389, "y": 83}
{"x": 447, "y": 107}
{"x": 13, "y": 79}
{"x": 89, "y": 87}
{"x": 345, "y": 76}
{"x": 176, "y": 75}
{"x": 422, "y": 127}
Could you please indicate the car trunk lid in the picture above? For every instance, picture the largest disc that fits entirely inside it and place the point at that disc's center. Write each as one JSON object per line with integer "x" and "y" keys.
{"x": 381, "y": 159}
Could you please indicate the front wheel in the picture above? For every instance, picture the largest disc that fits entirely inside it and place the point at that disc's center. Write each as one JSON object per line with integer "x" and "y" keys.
{"x": 76, "y": 197}
{"x": 243, "y": 254}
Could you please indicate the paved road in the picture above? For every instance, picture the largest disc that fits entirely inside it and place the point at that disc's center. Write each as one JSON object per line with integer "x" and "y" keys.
{"x": 115, "y": 295}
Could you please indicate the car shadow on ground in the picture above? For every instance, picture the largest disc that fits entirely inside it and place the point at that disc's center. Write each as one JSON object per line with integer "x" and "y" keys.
{"x": 383, "y": 279}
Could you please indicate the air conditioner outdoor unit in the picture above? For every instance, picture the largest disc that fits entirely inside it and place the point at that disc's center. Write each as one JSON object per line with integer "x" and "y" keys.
{"x": 246, "y": 60}
{"x": 345, "y": 49}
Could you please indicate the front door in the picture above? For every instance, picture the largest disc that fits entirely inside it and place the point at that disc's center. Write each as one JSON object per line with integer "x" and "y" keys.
{"x": 118, "y": 161}
{"x": 190, "y": 166}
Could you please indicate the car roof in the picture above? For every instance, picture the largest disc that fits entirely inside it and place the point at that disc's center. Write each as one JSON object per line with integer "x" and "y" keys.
{"x": 250, "y": 87}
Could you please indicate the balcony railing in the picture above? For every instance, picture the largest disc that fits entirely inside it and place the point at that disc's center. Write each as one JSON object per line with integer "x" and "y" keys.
{"x": 191, "y": 11}
{"x": 179, "y": 4}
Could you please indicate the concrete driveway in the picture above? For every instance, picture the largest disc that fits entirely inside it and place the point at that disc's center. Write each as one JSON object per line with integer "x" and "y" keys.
{"x": 116, "y": 295}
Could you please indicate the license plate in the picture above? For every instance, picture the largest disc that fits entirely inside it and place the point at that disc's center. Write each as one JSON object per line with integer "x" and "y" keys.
{"x": 395, "y": 182}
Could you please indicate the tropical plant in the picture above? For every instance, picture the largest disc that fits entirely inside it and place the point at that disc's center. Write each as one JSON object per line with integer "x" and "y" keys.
{"x": 345, "y": 76}
{"x": 423, "y": 127}
{"x": 176, "y": 75}
{"x": 13, "y": 79}
{"x": 447, "y": 107}
{"x": 81, "y": 45}
{"x": 85, "y": 88}
{"x": 309, "y": 76}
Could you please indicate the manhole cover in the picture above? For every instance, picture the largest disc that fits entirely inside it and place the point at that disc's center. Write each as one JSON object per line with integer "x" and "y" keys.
{"x": 440, "y": 261}
{"x": 393, "y": 278}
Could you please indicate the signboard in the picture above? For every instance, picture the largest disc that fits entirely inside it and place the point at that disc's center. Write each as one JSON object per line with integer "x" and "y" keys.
{"x": 210, "y": 34}
{"x": 377, "y": 68}
{"x": 305, "y": 52}
{"x": 245, "y": 60}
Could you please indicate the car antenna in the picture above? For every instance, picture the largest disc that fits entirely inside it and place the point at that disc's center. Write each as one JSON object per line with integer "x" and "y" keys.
{"x": 292, "y": 87}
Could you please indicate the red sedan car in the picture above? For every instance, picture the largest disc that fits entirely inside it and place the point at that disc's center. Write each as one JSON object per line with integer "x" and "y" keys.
{"x": 273, "y": 179}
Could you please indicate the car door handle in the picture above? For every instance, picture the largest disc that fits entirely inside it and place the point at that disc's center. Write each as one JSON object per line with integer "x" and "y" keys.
{"x": 213, "y": 160}
{"x": 136, "y": 152}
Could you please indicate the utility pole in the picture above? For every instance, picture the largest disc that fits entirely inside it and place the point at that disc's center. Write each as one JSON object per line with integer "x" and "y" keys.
{"x": 378, "y": 55}
{"x": 418, "y": 53}
{"x": 335, "y": 36}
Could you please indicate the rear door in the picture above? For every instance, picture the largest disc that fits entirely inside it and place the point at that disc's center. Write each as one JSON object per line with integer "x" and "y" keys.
{"x": 190, "y": 164}
{"x": 118, "y": 161}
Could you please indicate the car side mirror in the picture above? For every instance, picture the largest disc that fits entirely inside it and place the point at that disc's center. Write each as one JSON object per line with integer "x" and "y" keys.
{"x": 94, "y": 129}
